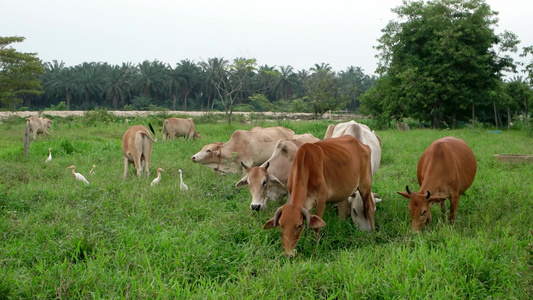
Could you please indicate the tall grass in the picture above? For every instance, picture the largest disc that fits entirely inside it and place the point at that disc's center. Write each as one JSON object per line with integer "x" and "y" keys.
{"x": 119, "y": 238}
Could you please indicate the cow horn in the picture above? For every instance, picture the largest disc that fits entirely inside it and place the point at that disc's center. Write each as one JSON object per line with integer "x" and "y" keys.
{"x": 306, "y": 215}
{"x": 428, "y": 195}
{"x": 267, "y": 165}
{"x": 407, "y": 189}
{"x": 277, "y": 214}
{"x": 243, "y": 165}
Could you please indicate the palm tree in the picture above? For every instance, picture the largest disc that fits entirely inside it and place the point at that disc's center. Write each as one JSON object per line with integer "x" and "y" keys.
{"x": 119, "y": 83}
{"x": 66, "y": 83}
{"x": 285, "y": 83}
{"x": 213, "y": 70}
{"x": 172, "y": 84}
{"x": 151, "y": 77}
{"x": 91, "y": 80}
{"x": 189, "y": 79}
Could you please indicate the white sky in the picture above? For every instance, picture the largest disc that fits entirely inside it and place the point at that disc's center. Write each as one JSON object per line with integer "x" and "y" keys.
{"x": 299, "y": 33}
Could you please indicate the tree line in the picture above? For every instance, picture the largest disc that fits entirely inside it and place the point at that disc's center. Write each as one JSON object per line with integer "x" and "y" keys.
{"x": 439, "y": 62}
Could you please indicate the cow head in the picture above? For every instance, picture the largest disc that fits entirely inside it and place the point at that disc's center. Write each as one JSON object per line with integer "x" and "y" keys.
{"x": 259, "y": 180}
{"x": 419, "y": 207}
{"x": 209, "y": 154}
{"x": 196, "y": 135}
{"x": 47, "y": 122}
{"x": 291, "y": 220}
{"x": 357, "y": 210}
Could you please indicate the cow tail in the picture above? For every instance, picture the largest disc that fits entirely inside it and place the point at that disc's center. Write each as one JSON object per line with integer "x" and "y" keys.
{"x": 152, "y": 129}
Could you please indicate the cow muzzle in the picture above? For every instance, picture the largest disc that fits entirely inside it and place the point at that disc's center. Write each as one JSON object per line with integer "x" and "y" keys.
{"x": 255, "y": 207}
{"x": 193, "y": 158}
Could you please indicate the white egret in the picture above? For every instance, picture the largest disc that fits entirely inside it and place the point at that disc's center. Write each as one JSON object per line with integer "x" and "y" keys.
{"x": 78, "y": 176}
{"x": 49, "y": 159}
{"x": 91, "y": 172}
{"x": 158, "y": 178}
{"x": 183, "y": 186}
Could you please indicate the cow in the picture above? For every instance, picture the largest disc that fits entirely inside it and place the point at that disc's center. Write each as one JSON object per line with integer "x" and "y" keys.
{"x": 269, "y": 180}
{"x": 446, "y": 169}
{"x": 325, "y": 171}
{"x": 357, "y": 209}
{"x": 402, "y": 126}
{"x": 363, "y": 133}
{"x": 176, "y": 127}
{"x": 250, "y": 147}
{"x": 38, "y": 125}
{"x": 137, "y": 149}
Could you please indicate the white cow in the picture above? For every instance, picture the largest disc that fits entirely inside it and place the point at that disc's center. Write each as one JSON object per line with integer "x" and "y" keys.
{"x": 269, "y": 180}
{"x": 38, "y": 125}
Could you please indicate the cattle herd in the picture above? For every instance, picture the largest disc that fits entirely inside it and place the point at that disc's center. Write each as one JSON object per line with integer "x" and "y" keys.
{"x": 311, "y": 172}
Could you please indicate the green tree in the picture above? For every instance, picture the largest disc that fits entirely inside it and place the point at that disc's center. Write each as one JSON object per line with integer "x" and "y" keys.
{"x": 18, "y": 72}
{"x": 323, "y": 90}
{"x": 442, "y": 60}
{"x": 119, "y": 83}
{"x": 188, "y": 73}
{"x": 66, "y": 83}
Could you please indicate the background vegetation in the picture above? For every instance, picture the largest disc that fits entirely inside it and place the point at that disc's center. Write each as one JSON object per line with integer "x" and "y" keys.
{"x": 119, "y": 238}
{"x": 441, "y": 63}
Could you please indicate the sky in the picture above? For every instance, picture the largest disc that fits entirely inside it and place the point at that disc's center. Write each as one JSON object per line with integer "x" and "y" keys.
{"x": 298, "y": 33}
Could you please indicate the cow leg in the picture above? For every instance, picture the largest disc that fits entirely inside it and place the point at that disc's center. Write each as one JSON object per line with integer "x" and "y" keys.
{"x": 34, "y": 134}
{"x": 443, "y": 210}
{"x": 126, "y": 167}
{"x": 453, "y": 207}
{"x": 368, "y": 207}
{"x": 344, "y": 209}
{"x": 138, "y": 166}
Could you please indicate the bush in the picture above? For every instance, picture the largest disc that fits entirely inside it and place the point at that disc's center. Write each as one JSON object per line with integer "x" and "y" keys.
{"x": 98, "y": 116}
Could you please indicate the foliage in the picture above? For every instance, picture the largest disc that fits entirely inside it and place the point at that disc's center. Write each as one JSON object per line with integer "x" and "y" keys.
{"x": 61, "y": 106}
{"x": 98, "y": 116}
{"x": 120, "y": 238}
{"x": 440, "y": 62}
{"x": 18, "y": 73}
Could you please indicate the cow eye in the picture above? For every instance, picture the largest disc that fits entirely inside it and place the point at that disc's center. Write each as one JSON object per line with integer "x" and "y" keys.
{"x": 423, "y": 212}
{"x": 264, "y": 182}
{"x": 208, "y": 151}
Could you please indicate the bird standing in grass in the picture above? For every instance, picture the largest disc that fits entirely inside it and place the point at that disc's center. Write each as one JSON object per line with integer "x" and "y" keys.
{"x": 158, "y": 178}
{"x": 49, "y": 159}
{"x": 78, "y": 176}
{"x": 91, "y": 172}
{"x": 183, "y": 186}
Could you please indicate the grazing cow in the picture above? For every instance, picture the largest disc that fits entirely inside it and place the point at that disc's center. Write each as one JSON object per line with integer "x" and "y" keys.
{"x": 269, "y": 180}
{"x": 357, "y": 210}
{"x": 38, "y": 125}
{"x": 446, "y": 169}
{"x": 250, "y": 147}
{"x": 367, "y": 137}
{"x": 175, "y": 128}
{"x": 402, "y": 126}
{"x": 137, "y": 149}
{"x": 325, "y": 171}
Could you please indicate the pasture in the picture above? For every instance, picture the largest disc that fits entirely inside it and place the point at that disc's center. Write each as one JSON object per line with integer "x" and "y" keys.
{"x": 120, "y": 238}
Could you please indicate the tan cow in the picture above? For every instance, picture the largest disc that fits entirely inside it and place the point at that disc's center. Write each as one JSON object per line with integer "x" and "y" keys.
{"x": 445, "y": 170}
{"x": 176, "y": 127}
{"x": 325, "y": 171}
{"x": 38, "y": 125}
{"x": 363, "y": 133}
{"x": 250, "y": 147}
{"x": 137, "y": 149}
{"x": 269, "y": 180}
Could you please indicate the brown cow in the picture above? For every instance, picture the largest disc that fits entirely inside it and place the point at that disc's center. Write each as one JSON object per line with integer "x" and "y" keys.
{"x": 269, "y": 180}
{"x": 137, "y": 149}
{"x": 38, "y": 125}
{"x": 326, "y": 171}
{"x": 176, "y": 127}
{"x": 446, "y": 169}
{"x": 250, "y": 147}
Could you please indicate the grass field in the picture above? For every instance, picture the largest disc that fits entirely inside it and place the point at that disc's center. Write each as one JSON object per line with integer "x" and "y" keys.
{"x": 120, "y": 238}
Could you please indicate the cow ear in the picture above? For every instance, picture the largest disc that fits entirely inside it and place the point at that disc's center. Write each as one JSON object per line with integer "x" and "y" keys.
{"x": 270, "y": 224}
{"x": 436, "y": 200}
{"x": 242, "y": 182}
{"x": 405, "y": 194}
{"x": 316, "y": 222}
{"x": 274, "y": 180}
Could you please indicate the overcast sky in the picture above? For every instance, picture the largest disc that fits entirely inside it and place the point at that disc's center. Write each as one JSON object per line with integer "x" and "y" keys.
{"x": 299, "y": 33}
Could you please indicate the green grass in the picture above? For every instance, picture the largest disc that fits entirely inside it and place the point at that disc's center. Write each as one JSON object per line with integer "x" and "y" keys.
{"x": 119, "y": 238}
